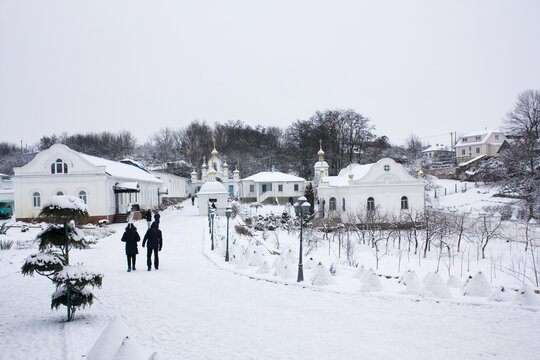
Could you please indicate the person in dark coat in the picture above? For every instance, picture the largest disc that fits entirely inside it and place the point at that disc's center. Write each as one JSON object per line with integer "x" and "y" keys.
{"x": 155, "y": 243}
{"x": 131, "y": 238}
{"x": 192, "y": 200}
{"x": 148, "y": 217}
{"x": 156, "y": 217}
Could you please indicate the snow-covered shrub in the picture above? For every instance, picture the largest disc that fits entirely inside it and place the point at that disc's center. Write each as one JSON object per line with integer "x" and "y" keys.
{"x": 526, "y": 297}
{"x": 477, "y": 286}
{"x": 241, "y": 262}
{"x": 500, "y": 294}
{"x": 434, "y": 286}
{"x": 263, "y": 268}
{"x": 370, "y": 282}
{"x": 284, "y": 270}
{"x": 454, "y": 282}
{"x": 414, "y": 287}
{"x": 407, "y": 277}
{"x": 360, "y": 272}
{"x": 243, "y": 230}
{"x": 321, "y": 276}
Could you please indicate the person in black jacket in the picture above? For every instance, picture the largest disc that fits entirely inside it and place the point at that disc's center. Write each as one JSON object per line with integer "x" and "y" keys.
{"x": 155, "y": 243}
{"x": 156, "y": 217}
{"x": 148, "y": 217}
{"x": 131, "y": 238}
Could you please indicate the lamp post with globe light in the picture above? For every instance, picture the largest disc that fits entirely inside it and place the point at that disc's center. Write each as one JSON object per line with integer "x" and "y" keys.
{"x": 212, "y": 215}
{"x": 301, "y": 208}
{"x": 228, "y": 212}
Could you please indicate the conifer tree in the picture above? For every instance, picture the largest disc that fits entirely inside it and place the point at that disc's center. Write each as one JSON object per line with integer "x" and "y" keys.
{"x": 52, "y": 261}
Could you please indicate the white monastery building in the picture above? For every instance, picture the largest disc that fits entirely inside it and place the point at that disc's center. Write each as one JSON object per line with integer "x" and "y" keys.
{"x": 383, "y": 187}
{"x": 174, "y": 189}
{"x": 216, "y": 170}
{"x": 272, "y": 187}
{"x": 107, "y": 187}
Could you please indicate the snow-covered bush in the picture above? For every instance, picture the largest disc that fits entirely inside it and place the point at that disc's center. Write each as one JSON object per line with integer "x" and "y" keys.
{"x": 526, "y": 297}
{"x": 55, "y": 242}
{"x": 321, "y": 276}
{"x": 500, "y": 294}
{"x": 434, "y": 286}
{"x": 477, "y": 286}
{"x": 370, "y": 282}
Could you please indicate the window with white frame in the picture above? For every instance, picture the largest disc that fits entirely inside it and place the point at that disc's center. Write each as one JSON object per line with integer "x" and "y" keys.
{"x": 59, "y": 167}
{"x": 371, "y": 203}
{"x": 251, "y": 188}
{"x": 404, "y": 203}
{"x": 280, "y": 188}
{"x": 295, "y": 187}
{"x": 36, "y": 199}
{"x": 82, "y": 196}
{"x": 332, "y": 204}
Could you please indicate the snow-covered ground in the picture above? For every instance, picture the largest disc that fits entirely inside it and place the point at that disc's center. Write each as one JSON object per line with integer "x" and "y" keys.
{"x": 196, "y": 306}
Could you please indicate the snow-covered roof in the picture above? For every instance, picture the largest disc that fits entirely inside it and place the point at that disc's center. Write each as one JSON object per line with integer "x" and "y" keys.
{"x": 120, "y": 170}
{"x": 212, "y": 187}
{"x": 127, "y": 185}
{"x": 66, "y": 202}
{"x": 482, "y": 132}
{"x": 436, "y": 148}
{"x": 471, "y": 161}
{"x": 273, "y": 176}
{"x": 342, "y": 179}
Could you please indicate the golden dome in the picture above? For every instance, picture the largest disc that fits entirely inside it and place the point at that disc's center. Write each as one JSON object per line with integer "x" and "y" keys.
{"x": 420, "y": 173}
{"x": 204, "y": 166}
{"x": 351, "y": 176}
{"x": 225, "y": 165}
{"x": 236, "y": 171}
{"x": 212, "y": 172}
{"x": 214, "y": 152}
{"x": 320, "y": 153}
{"x": 193, "y": 172}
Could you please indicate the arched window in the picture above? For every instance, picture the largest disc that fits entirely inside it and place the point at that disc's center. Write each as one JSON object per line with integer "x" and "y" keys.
{"x": 370, "y": 203}
{"x": 332, "y": 204}
{"x": 59, "y": 193}
{"x": 343, "y": 205}
{"x": 59, "y": 167}
{"x": 36, "y": 199}
{"x": 404, "y": 203}
{"x": 82, "y": 196}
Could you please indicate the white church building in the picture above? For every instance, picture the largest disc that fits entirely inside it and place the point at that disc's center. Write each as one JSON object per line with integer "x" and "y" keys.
{"x": 383, "y": 187}
{"x": 107, "y": 187}
{"x": 216, "y": 170}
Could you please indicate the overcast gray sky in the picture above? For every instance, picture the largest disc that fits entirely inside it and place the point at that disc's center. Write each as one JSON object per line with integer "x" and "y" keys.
{"x": 423, "y": 67}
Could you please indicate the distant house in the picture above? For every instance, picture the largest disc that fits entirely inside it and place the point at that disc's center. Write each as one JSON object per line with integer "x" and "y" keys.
{"x": 272, "y": 187}
{"x": 479, "y": 145}
{"x": 107, "y": 187}
{"x": 437, "y": 154}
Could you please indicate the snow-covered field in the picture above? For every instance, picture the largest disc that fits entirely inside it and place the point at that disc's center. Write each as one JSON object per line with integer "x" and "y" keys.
{"x": 196, "y": 306}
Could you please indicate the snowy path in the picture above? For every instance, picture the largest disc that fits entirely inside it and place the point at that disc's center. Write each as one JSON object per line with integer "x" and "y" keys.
{"x": 191, "y": 309}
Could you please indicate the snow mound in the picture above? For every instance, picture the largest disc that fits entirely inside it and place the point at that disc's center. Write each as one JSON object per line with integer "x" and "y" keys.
{"x": 477, "y": 286}
{"x": 310, "y": 263}
{"x": 242, "y": 263}
{"x": 109, "y": 341}
{"x": 435, "y": 287}
{"x": 321, "y": 276}
{"x": 414, "y": 287}
{"x": 285, "y": 271}
{"x": 453, "y": 282}
{"x": 500, "y": 294}
{"x": 370, "y": 282}
{"x": 263, "y": 268}
{"x": 129, "y": 350}
{"x": 407, "y": 277}
{"x": 155, "y": 356}
{"x": 256, "y": 258}
{"x": 526, "y": 297}
{"x": 360, "y": 272}
{"x": 290, "y": 257}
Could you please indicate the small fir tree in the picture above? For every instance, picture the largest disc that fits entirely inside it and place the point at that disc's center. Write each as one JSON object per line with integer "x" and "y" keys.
{"x": 52, "y": 261}
{"x": 310, "y": 196}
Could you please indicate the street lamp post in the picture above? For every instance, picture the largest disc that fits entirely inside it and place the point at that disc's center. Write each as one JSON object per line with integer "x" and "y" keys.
{"x": 302, "y": 208}
{"x": 212, "y": 214}
{"x": 209, "y": 221}
{"x": 228, "y": 212}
